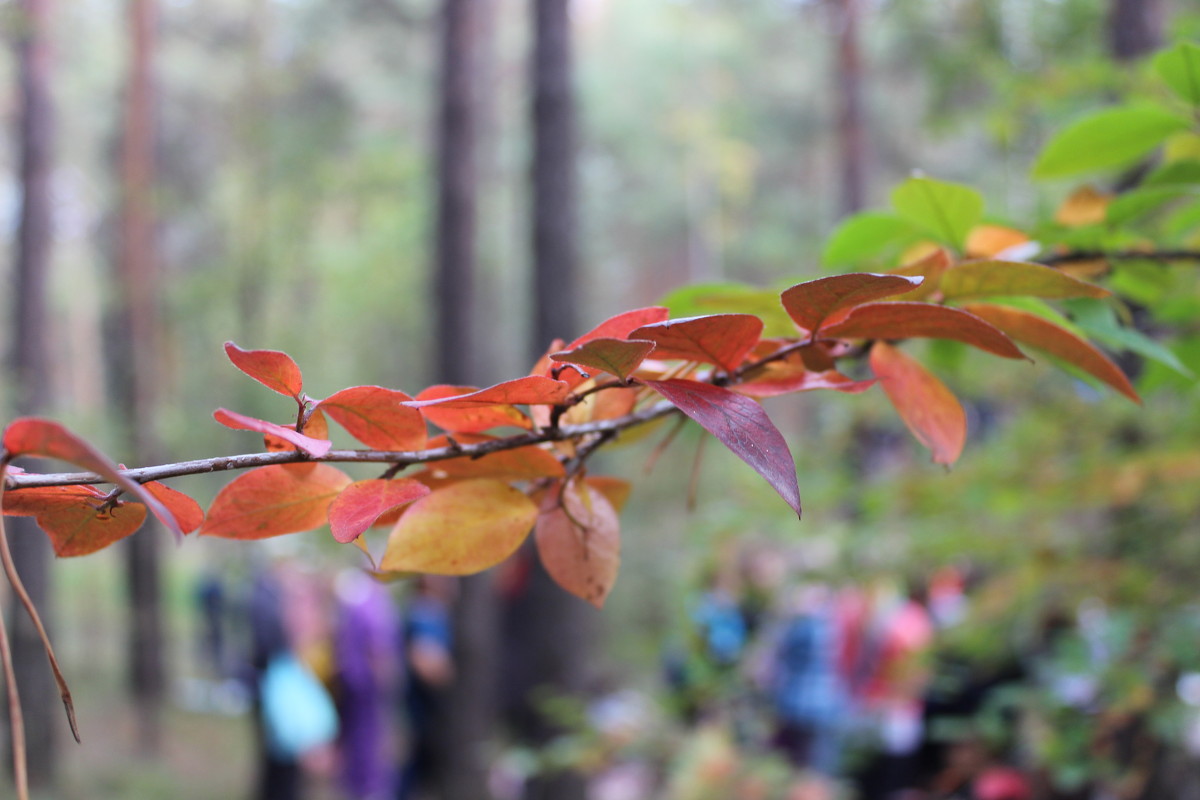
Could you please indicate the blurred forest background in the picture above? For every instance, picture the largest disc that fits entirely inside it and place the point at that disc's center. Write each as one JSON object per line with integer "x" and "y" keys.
{"x": 353, "y": 182}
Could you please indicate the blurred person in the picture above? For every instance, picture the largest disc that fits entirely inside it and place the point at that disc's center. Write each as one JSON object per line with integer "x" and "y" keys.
{"x": 367, "y": 672}
{"x": 427, "y": 642}
{"x": 806, "y": 691}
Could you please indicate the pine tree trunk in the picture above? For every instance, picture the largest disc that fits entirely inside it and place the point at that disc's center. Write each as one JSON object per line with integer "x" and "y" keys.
{"x": 30, "y": 368}
{"x": 141, "y": 332}
{"x": 848, "y": 95}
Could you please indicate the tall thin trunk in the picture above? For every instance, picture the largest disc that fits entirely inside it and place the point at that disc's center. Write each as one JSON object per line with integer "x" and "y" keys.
{"x": 466, "y": 719}
{"x": 848, "y": 92}
{"x": 558, "y": 627}
{"x": 1135, "y": 28}
{"x": 30, "y": 368}
{"x": 141, "y": 329}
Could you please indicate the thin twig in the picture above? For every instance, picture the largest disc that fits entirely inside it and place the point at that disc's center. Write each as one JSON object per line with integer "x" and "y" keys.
{"x": 1075, "y": 256}
{"x": 16, "y": 719}
{"x": 10, "y": 570}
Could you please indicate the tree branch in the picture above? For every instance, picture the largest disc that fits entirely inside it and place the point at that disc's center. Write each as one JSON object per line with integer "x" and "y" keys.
{"x": 1076, "y": 256}
{"x": 607, "y": 428}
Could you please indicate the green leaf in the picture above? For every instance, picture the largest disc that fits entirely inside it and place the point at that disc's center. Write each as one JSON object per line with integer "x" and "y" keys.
{"x": 1176, "y": 173}
{"x": 864, "y": 236}
{"x": 992, "y": 278}
{"x": 1099, "y": 320}
{"x": 731, "y": 298}
{"x": 1180, "y": 68}
{"x": 1133, "y": 204}
{"x": 946, "y": 210}
{"x": 1109, "y": 138}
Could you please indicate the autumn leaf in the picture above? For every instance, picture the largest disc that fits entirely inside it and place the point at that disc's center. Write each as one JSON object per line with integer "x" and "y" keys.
{"x": 186, "y": 511}
{"x": 273, "y": 369}
{"x": 741, "y": 425}
{"x": 271, "y": 501}
{"x": 1036, "y": 332}
{"x": 578, "y": 539}
{"x": 721, "y": 339}
{"x": 231, "y": 419}
{"x": 469, "y": 420}
{"x": 618, "y": 357}
{"x": 1013, "y": 278}
{"x": 902, "y": 320}
{"x": 930, "y": 267}
{"x": 30, "y": 436}
{"x": 809, "y": 304}
{"x": 989, "y": 241}
{"x": 786, "y": 378}
{"x": 73, "y": 519}
{"x": 620, "y": 326}
{"x": 460, "y": 529}
{"x": 361, "y": 504}
{"x": 615, "y": 490}
{"x": 530, "y": 390}
{"x": 374, "y": 416}
{"x": 518, "y": 464}
{"x": 926, "y": 406}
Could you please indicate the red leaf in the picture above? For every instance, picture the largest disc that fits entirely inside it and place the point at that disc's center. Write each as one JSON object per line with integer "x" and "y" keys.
{"x": 809, "y": 304}
{"x": 618, "y": 357}
{"x": 620, "y": 326}
{"x": 374, "y": 416}
{"x": 931, "y": 267}
{"x": 460, "y": 529}
{"x": 231, "y": 419}
{"x": 1045, "y": 335}
{"x": 786, "y": 378}
{"x": 186, "y": 510}
{"x": 928, "y": 408}
{"x": 361, "y": 504}
{"x": 270, "y": 501}
{"x": 742, "y": 426}
{"x": 469, "y": 420}
{"x": 579, "y": 545}
{"x": 904, "y": 320}
{"x": 721, "y": 339}
{"x": 71, "y": 518}
{"x": 530, "y": 390}
{"x": 30, "y": 436}
{"x": 273, "y": 369}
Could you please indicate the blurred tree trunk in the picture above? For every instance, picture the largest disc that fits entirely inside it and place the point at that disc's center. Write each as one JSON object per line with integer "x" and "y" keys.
{"x": 848, "y": 96}
{"x": 31, "y": 371}
{"x": 137, "y": 367}
{"x": 1135, "y": 28}
{"x": 557, "y": 627}
{"x": 466, "y": 720}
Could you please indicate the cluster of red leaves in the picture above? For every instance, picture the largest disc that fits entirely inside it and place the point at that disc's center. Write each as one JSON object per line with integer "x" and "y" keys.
{"x": 462, "y": 514}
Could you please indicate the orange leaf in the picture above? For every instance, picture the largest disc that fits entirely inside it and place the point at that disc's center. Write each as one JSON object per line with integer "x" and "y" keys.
{"x": 989, "y": 241}
{"x": 787, "y": 377}
{"x": 273, "y": 369}
{"x": 461, "y": 529}
{"x": 904, "y": 320}
{"x": 721, "y": 339}
{"x": 928, "y": 408}
{"x": 579, "y": 545}
{"x": 70, "y": 517}
{"x": 809, "y": 304}
{"x": 530, "y": 390}
{"x": 231, "y": 419}
{"x": 615, "y": 490}
{"x": 270, "y": 501}
{"x": 520, "y": 464}
{"x": 469, "y": 420}
{"x": 362, "y": 503}
{"x": 374, "y": 416}
{"x": 186, "y": 510}
{"x": 30, "y": 436}
{"x": 1085, "y": 206}
{"x": 620, "y": 326}
{"x": 315, "y": 427}
{"x": 1045, "y": 335}
{"x": 606, "y": 404}
{"x": 618, "y": 357}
